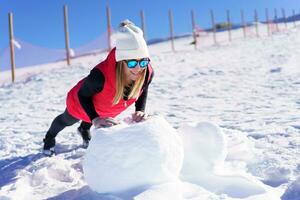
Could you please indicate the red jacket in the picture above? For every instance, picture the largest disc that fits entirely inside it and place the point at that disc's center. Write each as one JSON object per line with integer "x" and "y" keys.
{"x": 103, "y": 101}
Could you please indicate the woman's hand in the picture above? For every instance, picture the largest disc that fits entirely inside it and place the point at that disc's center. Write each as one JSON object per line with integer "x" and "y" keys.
{"x": 139, "y": 116}
{"x": 99, "y": 122}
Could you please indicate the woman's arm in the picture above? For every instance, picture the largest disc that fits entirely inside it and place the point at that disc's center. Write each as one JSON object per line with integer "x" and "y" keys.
{"x": 92, "y": 85}
{"x": 140, "y": 104}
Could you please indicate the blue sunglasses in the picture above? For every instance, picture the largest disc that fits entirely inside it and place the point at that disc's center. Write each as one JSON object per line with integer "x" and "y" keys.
{"x": 133, "y": 63}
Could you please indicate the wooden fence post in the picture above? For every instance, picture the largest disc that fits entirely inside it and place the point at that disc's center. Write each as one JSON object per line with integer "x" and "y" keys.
{"x": 171, "y": 29}
{"x": 229, "y": 25}
{"x": 194, "y": 28}
{"x": 256, "y": 22}
{"x": 284, "y": 17}
{"x": 11, "y": 44}
{"x": 294, "y": 18}
{"x": 243, "y": 23}
{"x": 66, "y": 26}
{"x": 143, "y": 23}
{"x": 213, "y": 26}
{"x": 108, "y": 28}
{"x": 268, "y": 22}
{"x": 276, "y": 20}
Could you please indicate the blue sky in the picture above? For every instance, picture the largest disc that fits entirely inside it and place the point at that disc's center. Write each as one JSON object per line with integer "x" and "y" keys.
{"x": 40, "y": 22}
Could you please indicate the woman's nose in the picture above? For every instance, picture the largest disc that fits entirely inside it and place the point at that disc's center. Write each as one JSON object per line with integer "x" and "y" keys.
{"x": 137, "y": 68}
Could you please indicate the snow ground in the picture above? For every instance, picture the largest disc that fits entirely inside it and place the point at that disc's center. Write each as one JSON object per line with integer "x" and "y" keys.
{"x": 250, "y": 88}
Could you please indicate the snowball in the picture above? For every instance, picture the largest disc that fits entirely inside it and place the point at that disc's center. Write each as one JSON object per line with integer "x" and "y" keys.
{"x": 128, "y": 157}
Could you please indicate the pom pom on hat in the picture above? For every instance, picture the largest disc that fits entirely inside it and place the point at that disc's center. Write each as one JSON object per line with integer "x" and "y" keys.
{"x": 130, "y": 43}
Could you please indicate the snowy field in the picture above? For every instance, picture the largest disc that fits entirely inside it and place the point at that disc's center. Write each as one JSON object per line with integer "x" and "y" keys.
{"x": 249, "y": 89}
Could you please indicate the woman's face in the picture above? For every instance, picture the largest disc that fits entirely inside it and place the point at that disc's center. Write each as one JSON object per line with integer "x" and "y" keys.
{"x": 134, "y": 68}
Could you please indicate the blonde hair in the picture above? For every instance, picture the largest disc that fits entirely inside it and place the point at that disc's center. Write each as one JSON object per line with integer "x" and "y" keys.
{"x": 121, "y": 83}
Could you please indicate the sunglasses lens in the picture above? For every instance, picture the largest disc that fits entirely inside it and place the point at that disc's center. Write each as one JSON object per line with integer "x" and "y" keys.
{"x": 132, "y": 63}
{"x": 144, "y": 63}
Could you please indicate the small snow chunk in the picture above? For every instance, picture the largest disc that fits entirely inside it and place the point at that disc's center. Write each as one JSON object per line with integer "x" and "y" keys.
{"x": 276, "y": 176}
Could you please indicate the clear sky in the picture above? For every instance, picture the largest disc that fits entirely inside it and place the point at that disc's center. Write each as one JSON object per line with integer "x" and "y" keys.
{"x": 40, "y": 22}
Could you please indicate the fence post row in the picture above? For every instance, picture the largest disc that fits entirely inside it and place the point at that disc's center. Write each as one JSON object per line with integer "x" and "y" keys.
{"x": 108, "y": 28}
{"x": 171, "y": 29}
{"x": 143, "y": 26}
{"x": 194, "y": 28}
{"x": 213, "y": 26}
{"x": 11, "y": 44}
{"x": 66, "y": 26}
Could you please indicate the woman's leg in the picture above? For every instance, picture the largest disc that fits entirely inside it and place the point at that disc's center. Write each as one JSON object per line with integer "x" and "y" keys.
{"x": 84, "y": 130}
{"x": 58, "y": 124}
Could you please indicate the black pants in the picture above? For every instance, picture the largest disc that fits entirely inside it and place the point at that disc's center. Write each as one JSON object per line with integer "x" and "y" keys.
{"x": 59, "y": 123}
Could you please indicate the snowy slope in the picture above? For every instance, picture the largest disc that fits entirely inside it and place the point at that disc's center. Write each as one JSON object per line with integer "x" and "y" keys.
{"x": 250, "y": 88}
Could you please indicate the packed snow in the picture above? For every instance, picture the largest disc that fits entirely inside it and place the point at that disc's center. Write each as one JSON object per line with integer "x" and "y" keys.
{"x": 225, "y": 124}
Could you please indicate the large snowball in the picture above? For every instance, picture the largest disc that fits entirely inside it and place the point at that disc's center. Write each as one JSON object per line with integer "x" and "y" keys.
{"x": 127, "y": 157}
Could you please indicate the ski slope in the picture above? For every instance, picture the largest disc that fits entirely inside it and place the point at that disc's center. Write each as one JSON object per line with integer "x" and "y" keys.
{"x": 249, "y": 88}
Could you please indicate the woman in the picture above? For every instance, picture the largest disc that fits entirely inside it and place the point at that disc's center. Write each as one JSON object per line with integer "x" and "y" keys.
{"x": 112, "y": 86}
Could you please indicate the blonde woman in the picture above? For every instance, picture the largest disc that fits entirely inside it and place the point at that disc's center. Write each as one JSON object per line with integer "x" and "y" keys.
{"x": 112, "y": 86}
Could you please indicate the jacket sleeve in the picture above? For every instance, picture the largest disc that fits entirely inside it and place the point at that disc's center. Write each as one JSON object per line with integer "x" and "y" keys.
{"x": 92, "y": 85}
{"x": 140, "y": 104}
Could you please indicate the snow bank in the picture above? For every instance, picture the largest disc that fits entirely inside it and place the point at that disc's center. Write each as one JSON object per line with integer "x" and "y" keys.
{"x": 205, "y": 150}
{"x": 293, "y": 191}
{"x": 133, "y": 157}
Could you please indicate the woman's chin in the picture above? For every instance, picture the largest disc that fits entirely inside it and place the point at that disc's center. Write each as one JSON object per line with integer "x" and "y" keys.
{"x": 134, "y": 77}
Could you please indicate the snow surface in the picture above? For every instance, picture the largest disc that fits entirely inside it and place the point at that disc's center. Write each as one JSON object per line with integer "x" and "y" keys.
{"x": 249, "y": 88}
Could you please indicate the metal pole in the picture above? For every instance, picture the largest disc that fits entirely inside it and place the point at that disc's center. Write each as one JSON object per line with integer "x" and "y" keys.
{"x": 243, "y": 23}
{"x": 108, "y": 28}
{"x": 213, "y": 26}
{"x": 229, "y": 25}
{"x": 256, "y": 22}
{"x": 143, "y": 23}
{"x": 67, "y": 34}
{"x": 194, "y": 28}
{"x": 171, "y": 29}
{"x": 11, "y": 44}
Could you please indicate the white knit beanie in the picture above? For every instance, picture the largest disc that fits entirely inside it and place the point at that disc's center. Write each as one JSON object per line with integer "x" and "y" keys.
{"x": 130, "y": 43}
